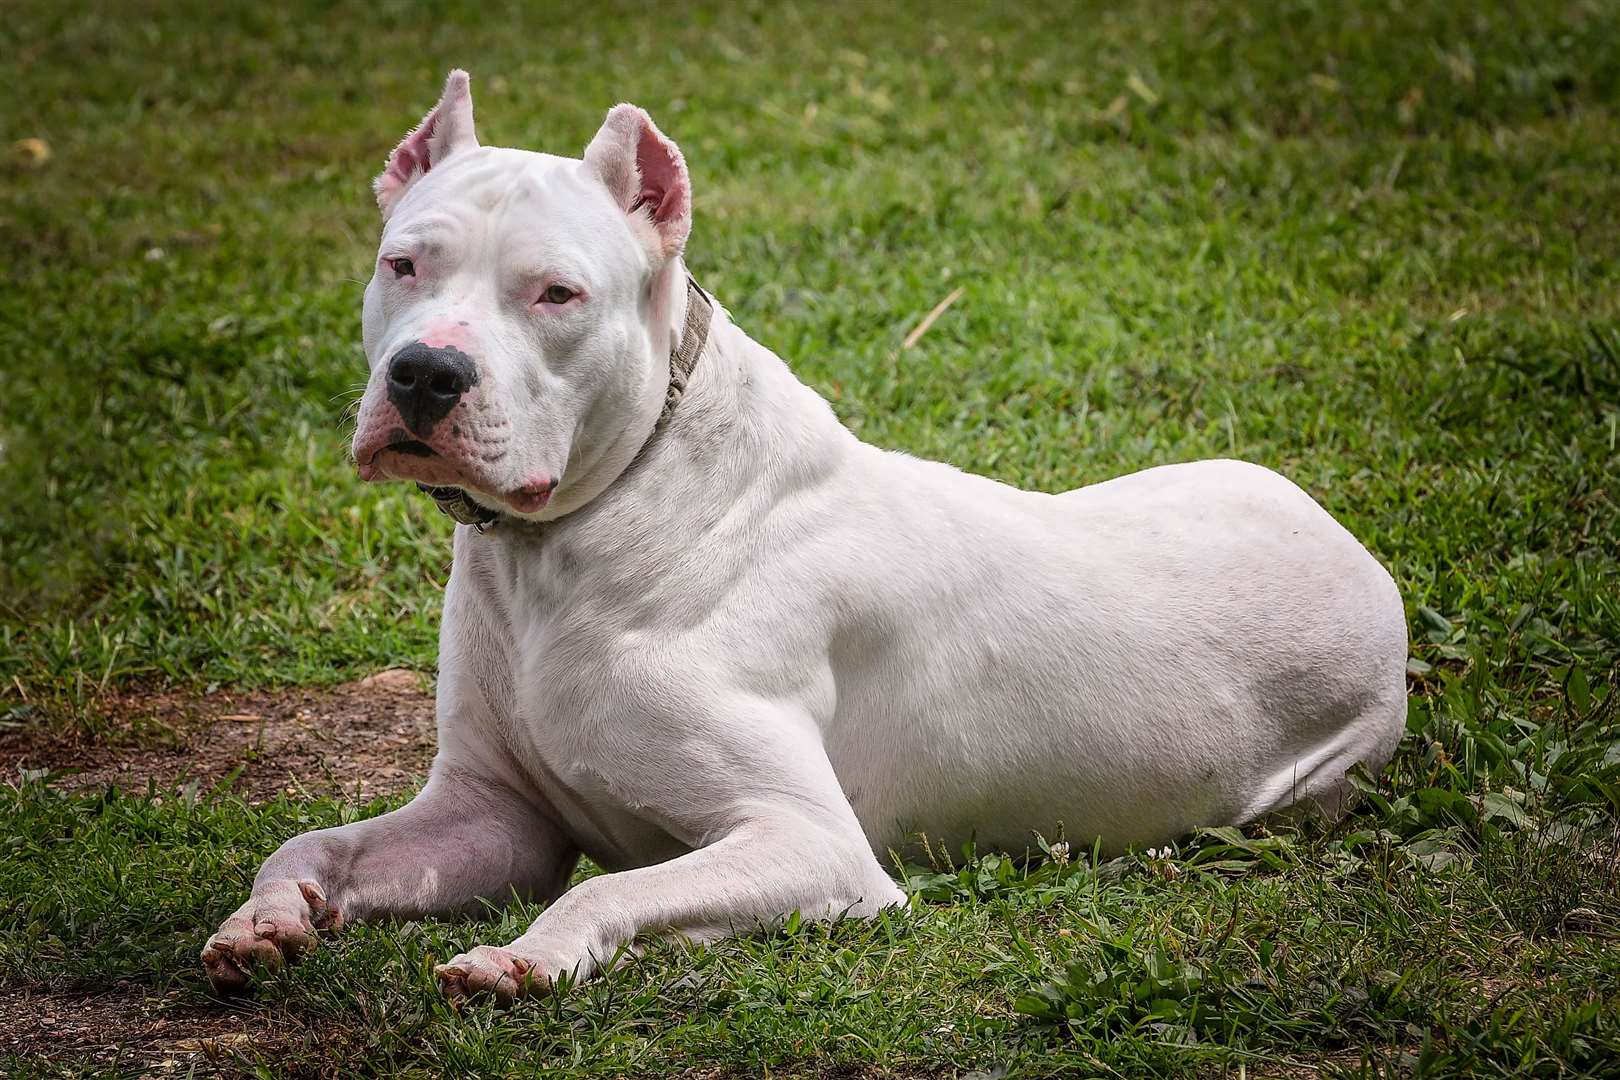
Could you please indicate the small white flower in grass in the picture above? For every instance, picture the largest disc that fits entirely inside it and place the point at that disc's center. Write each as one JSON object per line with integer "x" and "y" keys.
{"x": 1060, "y": 852}
{"x": 1159, "y": 862}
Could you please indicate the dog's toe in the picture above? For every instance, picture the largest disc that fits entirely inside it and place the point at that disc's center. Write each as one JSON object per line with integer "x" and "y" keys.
{"x": 227, "y": 973}
{"x": 267, "y": 933}
{"x": 490, "y": 971}
{"x": 240, "y": 947}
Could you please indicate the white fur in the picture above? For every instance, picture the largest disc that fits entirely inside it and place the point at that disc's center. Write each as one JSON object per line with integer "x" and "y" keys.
{"x": 741, "y": 671}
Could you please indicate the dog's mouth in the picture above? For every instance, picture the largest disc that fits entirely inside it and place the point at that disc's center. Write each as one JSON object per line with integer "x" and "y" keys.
{"x": 405, "y": 458}
{"x": 413, "y": 447}
{"x": 418, "y": 461}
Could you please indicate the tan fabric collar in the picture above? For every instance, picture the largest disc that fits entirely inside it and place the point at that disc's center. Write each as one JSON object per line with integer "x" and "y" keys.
{"x": 694, "y": 335}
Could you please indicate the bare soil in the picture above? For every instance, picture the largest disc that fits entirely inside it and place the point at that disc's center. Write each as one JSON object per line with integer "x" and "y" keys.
{"x": 124, "y": 1028}
{"x": 358, "y": 741}
{"x": 127, "y": 1030}
{"x": 133, "y": 1031}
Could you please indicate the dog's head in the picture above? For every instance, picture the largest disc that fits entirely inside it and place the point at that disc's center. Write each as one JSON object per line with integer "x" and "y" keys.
{"x": 520, "y": 317}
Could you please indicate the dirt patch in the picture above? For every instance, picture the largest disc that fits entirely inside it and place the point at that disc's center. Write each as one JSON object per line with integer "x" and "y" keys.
{"x": 358, "y": 741}
{"x": 1345, "y": 1061}
{"x": 125, "y": 1028}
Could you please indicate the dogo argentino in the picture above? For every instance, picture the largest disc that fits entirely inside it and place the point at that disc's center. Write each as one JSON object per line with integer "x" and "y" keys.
{"x": 698, "y": 631}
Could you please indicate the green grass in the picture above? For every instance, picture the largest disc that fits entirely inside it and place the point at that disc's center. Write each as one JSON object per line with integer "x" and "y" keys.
{"x": 1374, "y": 246}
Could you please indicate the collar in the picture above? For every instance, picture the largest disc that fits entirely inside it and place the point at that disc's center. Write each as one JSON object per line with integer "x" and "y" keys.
{"x": 694, "y": 335}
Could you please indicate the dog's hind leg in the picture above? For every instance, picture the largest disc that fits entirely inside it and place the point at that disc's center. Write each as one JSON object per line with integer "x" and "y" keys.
{"x": 463, "y": 839}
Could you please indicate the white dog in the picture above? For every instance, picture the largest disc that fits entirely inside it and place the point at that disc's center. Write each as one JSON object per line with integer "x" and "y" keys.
{"x": 704, "y": 635}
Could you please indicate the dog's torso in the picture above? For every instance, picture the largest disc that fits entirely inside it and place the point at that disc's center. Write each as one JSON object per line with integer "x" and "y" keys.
{"x": 1192, "y": 645}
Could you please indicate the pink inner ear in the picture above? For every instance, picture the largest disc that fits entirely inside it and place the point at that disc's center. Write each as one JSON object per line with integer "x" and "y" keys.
{"x": 410, "y": 157}
{"x": 663, "y": 181}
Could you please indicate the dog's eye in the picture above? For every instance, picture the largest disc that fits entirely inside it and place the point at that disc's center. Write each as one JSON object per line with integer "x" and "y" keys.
{"x": 403, "y": 267}
{"x": 557, "y": 294}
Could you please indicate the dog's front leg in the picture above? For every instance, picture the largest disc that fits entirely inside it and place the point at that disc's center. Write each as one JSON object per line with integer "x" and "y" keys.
{"x": 762, "y": 870}
{"x": 461, "y": 840}
{"x": 780, "y": 838}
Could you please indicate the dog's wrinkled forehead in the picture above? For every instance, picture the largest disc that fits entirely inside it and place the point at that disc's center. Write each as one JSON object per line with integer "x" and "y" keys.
{"x": 514, "y": 206}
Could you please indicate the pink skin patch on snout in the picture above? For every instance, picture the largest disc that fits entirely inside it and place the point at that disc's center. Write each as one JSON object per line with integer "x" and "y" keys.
{"x": 448, "y": 333}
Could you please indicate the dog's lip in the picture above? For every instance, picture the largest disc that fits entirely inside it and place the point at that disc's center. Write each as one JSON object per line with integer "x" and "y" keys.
{"x": 532, "y": 496}
{"x": 401, "y": 443}
{"x": 529, "y": 497}
{"x": 402, "y": 458}
{"x": 413, "y": 447}
{"x": 412, "y": 459}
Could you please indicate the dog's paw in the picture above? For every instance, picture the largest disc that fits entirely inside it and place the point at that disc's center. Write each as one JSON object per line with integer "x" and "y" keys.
{"x": 277, "y": 924}
{"x": 493, "y": 971}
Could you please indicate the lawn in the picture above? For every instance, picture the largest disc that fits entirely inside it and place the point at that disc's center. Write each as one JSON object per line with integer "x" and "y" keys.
{"x": 1371, "y": 245}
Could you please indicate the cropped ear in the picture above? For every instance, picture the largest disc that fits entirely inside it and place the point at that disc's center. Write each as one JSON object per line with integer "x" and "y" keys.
{"x": 446, "y": 130}
{"x": 645, "y": 173}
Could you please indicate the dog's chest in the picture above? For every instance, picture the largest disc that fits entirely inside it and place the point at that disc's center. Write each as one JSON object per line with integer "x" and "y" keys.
{"x": 567, "y": 740}
{"x": 568, "y": 769}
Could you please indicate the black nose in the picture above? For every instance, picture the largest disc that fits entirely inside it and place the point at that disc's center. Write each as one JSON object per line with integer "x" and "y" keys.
{"x": 424, "y": 383}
